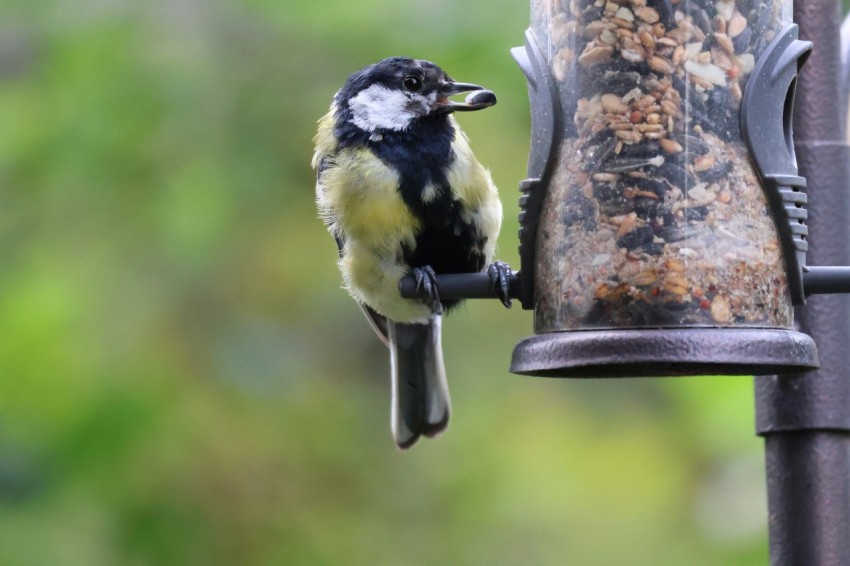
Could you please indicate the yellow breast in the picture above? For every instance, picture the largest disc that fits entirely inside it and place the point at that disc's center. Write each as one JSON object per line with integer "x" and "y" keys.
{"x": 361, "y": 194}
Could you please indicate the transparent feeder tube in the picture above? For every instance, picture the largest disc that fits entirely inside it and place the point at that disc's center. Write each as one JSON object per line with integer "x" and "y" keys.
{"x": 654, "y": 215}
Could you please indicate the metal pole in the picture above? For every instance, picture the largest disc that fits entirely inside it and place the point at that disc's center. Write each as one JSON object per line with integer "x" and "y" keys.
{"x": 805, "y": 419}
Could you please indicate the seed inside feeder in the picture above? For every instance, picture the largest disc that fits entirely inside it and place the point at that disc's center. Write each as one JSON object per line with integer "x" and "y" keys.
{"x": 654, "y": 215}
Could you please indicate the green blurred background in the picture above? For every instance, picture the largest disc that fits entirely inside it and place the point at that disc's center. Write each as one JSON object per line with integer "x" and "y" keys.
{"x": 182, "y": 380}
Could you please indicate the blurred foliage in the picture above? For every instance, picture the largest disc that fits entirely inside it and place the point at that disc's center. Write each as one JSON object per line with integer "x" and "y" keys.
{"x": 182, "y": 381}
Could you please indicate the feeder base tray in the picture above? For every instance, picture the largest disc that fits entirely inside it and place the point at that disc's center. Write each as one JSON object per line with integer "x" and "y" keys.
{"x": 663, "y": 352}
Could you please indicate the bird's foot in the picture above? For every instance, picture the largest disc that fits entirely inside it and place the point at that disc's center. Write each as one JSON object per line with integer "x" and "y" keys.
{"x": 500, "y": 280}
{"x": 427, "y": 279}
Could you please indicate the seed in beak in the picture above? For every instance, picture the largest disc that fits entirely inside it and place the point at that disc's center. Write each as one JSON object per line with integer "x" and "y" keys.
{"x": 481, "y": 98}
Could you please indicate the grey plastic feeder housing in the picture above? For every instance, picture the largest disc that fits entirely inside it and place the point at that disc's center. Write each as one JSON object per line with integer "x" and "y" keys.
{"x": 663, "y": 220}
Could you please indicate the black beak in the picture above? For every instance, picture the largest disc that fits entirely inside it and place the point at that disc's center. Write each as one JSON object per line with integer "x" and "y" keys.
{"x": 478, "y": 98}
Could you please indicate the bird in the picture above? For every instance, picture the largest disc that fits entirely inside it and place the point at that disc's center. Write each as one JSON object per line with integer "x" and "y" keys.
{"x": 400, "y": 190}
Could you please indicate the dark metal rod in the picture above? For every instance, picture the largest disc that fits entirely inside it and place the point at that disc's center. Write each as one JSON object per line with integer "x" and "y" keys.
{"x": 805, "y": 419}
{"x": 806, "y": 473}
{"x": 459, "y": 286}
{"x": 823, "y": 280}
{"x": 818, "y": 280}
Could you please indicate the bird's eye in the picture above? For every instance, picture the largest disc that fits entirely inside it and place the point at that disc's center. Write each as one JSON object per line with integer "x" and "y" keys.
{"x": 411, "y": 83}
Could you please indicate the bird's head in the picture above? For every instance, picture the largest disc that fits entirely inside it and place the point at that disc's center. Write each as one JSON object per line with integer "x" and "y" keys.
{"x": 396, "y": 92}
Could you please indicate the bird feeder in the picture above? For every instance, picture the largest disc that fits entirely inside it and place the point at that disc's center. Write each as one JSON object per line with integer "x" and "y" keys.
{"x": 663, "y": 221}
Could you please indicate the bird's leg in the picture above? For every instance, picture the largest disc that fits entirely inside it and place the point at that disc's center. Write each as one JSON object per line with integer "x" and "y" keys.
{"x": 500, "y": 279}
{"x": 427, "y": 279}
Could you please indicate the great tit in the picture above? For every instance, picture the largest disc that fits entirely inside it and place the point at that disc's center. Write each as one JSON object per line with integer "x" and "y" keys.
{"x": 401, "y": 192}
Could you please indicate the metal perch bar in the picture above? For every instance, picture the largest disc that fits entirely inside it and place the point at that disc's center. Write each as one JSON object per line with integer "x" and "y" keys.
{"x": 459, "y": 286}
{"x": 818, "y": 280}
{"x": 823, "y": 280}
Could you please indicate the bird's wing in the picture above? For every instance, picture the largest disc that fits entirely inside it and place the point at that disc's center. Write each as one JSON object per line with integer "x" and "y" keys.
{"x": 378, "y": 322}
{"x": 322, "y": 159}
{"x": 325, "y": 148}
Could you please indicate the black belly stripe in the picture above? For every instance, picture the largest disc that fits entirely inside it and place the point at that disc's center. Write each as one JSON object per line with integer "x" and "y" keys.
{"x": 422, "y": 155}
{"x": 447, "y": 244}
{"x": 447, "y": 250}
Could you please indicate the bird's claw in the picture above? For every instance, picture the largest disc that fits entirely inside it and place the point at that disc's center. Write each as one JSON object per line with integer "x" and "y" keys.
{"x": 500, "y": 280}
{"x": 427, "y": 279}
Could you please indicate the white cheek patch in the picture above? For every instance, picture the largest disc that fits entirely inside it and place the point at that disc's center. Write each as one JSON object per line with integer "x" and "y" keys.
{"x": 379, "y": 107}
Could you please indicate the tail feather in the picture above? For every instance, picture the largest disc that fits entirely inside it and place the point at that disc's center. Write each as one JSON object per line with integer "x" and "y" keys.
{"x": 420, "y": 393}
